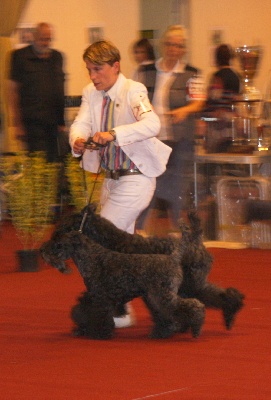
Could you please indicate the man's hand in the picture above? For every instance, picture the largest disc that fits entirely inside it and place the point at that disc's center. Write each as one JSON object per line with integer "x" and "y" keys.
{"x": 78, "y": 146}
{"x": 103, "y": 138}
{"x": 178, "y": 115}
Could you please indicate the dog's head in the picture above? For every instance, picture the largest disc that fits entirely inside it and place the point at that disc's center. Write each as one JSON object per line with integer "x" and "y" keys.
{"x": 56, "y": 252}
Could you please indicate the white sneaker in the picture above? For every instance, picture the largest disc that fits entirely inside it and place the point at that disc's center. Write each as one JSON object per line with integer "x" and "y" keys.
{"x": 125, "y": 320}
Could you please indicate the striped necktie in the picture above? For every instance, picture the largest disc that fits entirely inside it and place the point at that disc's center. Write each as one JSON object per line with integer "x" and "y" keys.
{"x": 113, "y": 157}
{"x": 107, "y": 114}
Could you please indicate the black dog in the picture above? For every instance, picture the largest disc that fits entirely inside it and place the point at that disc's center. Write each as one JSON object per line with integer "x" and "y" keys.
{"x": 114, "y": 278}
{"x": 195, "y": 260}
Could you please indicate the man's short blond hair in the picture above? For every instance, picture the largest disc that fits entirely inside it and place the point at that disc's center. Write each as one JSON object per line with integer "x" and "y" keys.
{"x": 102, "y": 52}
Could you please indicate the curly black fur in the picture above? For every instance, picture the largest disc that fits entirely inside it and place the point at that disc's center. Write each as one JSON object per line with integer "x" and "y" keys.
{"x": 195, "y": 260}
{"x": 108, "y": 235}
{"x": 114, "y": 278}
{"x": 91, "y": 320}
{"x": 197, "y": 263}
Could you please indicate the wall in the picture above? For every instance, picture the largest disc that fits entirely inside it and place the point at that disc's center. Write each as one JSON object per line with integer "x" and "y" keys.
{"x": 244, "y": 22}
{"x": 157, "y": 15}
{"x": 71, "y": 18}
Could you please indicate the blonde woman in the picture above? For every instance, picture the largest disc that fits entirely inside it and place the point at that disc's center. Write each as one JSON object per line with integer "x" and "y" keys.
{"x": 175, "y": 91}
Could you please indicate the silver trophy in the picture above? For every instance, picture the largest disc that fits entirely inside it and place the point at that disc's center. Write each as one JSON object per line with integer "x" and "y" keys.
{"x": 249, "y": 58}
{"x": 248, "y": 105}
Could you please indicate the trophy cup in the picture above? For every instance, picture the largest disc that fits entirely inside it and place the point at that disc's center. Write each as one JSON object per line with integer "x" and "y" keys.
{"x": 249, "y": 57}
{"x": 248, "y": 104}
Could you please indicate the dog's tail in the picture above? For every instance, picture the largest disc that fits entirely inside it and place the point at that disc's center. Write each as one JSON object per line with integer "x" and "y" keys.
{"x": 191, "y": 233}
{"x": 186, "y": 236}
{"x": 195, "y": 225}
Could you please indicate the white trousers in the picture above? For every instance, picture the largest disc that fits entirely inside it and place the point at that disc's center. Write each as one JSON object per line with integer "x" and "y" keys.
{"x": 124, "y": 199}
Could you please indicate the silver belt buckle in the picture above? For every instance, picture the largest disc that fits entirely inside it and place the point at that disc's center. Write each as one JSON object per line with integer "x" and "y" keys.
{"x": 115, "y": 175}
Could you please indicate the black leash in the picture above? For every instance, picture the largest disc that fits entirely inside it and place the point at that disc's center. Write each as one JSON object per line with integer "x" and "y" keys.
{"x": 89, "y": 145}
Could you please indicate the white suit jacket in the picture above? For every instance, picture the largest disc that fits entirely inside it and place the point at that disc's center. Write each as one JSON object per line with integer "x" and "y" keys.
{"x": 135, "y": 124}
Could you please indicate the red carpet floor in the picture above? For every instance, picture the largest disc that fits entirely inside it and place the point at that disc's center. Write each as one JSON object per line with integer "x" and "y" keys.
{"x": 39, "y": 358}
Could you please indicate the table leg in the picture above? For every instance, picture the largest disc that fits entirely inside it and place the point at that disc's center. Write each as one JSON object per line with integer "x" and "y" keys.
{"x": 195, "y": 185}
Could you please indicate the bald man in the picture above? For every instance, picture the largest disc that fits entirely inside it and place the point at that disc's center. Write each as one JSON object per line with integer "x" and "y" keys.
{"x": 36, "y": 93}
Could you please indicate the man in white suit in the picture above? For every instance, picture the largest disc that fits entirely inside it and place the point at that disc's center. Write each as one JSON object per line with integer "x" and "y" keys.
{"x": 132, "y": 156}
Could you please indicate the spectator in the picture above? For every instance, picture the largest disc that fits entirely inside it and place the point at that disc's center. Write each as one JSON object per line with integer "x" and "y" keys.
{"x": 36, "y": 92}
{"x": 144, "y": 56}
{"x": 176, "y": 94}
{"x": 225, "y": 82}
{"x": 223, "y": 88}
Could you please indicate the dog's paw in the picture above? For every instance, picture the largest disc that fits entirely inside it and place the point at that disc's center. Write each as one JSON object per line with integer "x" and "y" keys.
{"x": 183, "y": 328}
{"x": 232, "y": 302}
{"x": 79, "y": 332}
{"x": 162, "y": 332}
{"x": 197, "y": 320}
{"x": 190, "y": 315}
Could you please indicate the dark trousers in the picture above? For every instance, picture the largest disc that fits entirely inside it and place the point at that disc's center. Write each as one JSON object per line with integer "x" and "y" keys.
{"x": 46, "y": 138}
{"x": 173, "y": 187}
{"x": 43, "y": 137}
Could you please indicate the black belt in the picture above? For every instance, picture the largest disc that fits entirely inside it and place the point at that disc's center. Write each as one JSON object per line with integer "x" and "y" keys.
{"x": 110, "y": 174}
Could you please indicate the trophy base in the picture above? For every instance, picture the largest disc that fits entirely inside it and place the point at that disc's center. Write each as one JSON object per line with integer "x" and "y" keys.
{"x": 250, "y": 93}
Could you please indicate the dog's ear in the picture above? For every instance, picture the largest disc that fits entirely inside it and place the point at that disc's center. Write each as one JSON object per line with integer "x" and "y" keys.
{"x": 57, "y": 248}
{"x": 73, "y": 237}
{"x": 60, "y": 249}
{"x": 51, "y": 247}
{"x": 53, "y": 253}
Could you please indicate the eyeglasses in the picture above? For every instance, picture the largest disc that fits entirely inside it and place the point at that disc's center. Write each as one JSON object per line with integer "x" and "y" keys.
{"x": 176, "y": 45}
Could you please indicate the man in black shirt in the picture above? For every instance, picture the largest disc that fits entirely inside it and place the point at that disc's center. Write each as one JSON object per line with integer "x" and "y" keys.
{"x": 225, "y": 82}
{"x": 36, "y": 93}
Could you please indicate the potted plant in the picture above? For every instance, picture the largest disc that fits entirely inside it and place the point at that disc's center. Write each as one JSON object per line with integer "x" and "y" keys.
{"x": 31, "y": 185}
{"x": 84, "y": 185}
